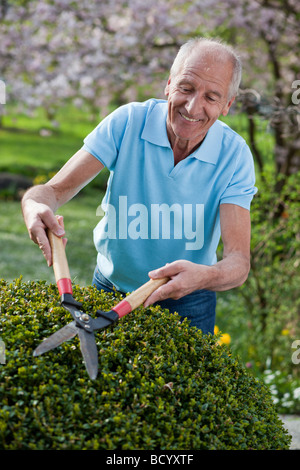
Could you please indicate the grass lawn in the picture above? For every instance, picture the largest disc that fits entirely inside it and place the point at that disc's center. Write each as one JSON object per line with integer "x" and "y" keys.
{"x": 35, "y": 143}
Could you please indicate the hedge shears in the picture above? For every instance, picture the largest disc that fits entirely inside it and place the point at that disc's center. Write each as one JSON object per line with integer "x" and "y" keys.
{"x": 83, "y": 324}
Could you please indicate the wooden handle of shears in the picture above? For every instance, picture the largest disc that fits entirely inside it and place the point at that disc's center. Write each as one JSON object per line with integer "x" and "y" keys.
{"x": 138, "y": 297}
{"x": 60, "y": 264}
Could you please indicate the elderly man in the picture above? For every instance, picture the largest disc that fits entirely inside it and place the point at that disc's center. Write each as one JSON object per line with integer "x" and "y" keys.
{"x": 179, "y": 179}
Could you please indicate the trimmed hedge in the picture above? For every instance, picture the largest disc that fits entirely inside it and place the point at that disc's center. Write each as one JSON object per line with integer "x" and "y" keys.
{"x": 161, "y": 383}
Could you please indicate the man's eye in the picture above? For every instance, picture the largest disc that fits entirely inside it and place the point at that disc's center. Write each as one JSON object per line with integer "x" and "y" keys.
{"x": 211, "y": 99}
{"x": 185, "y": 89}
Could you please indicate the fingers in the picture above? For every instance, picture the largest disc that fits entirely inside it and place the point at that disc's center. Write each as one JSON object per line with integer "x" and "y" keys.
{"x": 173, "y": 288}
{"x": 56, "y": 225}
{"x": 61, "y": 230}
{"x": 185, "y": 277}
{"x": 164, "y": 292}
{"x": 169, "y": 270}
{"x": 43, "y": 243}
{"x": 38, "y": 226}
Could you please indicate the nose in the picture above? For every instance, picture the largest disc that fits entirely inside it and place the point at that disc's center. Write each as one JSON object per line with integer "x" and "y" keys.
{"x": 195, "y": 105}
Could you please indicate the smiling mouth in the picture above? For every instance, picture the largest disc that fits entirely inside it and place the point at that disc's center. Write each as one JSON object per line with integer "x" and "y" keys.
{"x": 189, "y": 119}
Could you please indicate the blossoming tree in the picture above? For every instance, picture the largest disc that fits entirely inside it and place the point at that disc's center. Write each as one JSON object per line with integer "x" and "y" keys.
{"x": 109, "y": 51}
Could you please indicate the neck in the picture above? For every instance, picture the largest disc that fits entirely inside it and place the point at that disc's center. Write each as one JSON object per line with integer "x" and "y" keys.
{"x": 182, "y": 149}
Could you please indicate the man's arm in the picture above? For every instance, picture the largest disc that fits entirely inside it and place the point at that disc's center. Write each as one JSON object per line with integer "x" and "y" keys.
{"x": 40, "y": 202}
{"x": 230, "y": 272}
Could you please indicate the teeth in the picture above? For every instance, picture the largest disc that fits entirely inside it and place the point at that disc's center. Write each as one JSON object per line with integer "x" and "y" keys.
{"x": 189, "y": 119}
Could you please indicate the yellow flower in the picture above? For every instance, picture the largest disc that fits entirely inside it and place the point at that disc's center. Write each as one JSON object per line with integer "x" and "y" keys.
{"x": 225, "y": 339}
{"x": 285, "y": 332}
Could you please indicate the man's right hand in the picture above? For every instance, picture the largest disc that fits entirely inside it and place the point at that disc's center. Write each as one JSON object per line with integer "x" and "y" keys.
{"x": 38, "y": 218}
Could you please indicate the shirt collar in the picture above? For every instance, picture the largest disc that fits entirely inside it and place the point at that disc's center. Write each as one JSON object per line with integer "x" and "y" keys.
{"x": 155, "y": 131}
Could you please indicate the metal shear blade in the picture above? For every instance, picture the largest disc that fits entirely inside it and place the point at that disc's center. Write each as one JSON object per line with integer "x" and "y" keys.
{"x": 57, "y": 338}
{"x": 83, "y": 326}
{"x": 89, "y": 352}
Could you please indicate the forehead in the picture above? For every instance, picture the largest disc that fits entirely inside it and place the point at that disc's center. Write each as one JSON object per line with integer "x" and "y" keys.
{"x": 206, "y": 66}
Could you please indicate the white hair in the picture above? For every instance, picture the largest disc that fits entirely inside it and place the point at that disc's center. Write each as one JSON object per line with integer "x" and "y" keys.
{"x": 218, "y": 47}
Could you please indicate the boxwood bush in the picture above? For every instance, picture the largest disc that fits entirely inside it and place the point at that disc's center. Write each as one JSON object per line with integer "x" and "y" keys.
{"x": 161, "y": 383}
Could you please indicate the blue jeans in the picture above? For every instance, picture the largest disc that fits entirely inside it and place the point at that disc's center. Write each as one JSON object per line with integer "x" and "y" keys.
{"x": 199, "y": 307}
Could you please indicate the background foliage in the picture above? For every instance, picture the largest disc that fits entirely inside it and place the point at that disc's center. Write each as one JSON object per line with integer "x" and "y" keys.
{"x": 101, "y": 52}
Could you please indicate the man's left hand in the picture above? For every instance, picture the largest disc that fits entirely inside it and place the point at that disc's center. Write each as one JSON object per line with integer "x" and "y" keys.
{"x": 185, "y": 277}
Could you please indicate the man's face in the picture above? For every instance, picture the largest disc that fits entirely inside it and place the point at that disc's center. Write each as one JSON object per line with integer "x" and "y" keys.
{"x": 197, "y": 96}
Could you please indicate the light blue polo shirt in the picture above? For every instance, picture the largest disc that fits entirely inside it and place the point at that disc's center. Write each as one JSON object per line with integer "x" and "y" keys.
{"x": 155, "y": 212}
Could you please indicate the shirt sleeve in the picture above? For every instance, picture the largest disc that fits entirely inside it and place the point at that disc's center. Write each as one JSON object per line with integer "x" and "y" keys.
{"x": 105, "y": 140}
{"x": 241, "y": 188}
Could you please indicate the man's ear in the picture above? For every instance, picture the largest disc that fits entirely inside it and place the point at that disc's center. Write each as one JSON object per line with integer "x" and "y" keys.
{"x": 227, "y": 107}
{"x": 167, "y": 87}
